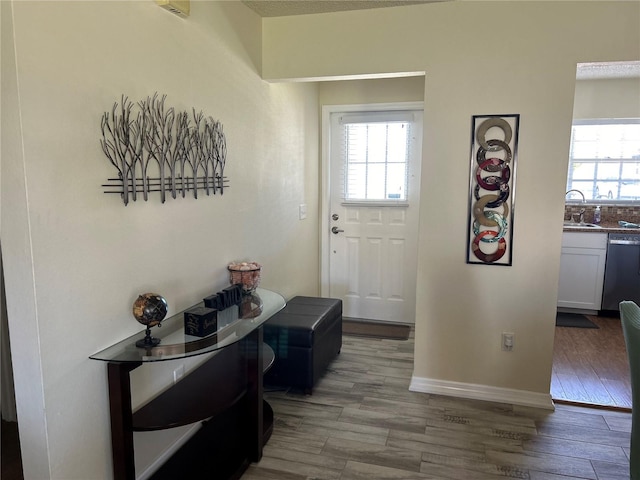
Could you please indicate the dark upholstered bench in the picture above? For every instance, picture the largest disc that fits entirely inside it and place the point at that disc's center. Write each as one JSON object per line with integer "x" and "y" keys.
{"x": 306, "y": 335}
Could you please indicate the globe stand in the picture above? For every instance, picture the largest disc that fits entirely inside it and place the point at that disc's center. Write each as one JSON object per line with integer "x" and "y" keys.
{"x": 148, "y": 341}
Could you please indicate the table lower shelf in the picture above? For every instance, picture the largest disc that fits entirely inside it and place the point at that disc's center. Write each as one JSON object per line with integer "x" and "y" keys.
{"x": 215, "y": 451}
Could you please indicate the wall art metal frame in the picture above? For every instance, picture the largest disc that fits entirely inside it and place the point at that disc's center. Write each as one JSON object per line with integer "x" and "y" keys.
{"x": 159, "y": 149}
{"x": 492, "y": 176}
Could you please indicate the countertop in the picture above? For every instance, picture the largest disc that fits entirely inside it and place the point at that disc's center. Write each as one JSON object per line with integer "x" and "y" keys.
{"x": 606, "y": 227}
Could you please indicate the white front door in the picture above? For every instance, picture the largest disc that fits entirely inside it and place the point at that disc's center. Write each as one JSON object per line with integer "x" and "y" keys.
{"x": 372, "y": 216}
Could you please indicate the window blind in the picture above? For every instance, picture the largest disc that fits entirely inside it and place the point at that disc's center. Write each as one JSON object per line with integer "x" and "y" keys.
{"x": 376, "y": 147}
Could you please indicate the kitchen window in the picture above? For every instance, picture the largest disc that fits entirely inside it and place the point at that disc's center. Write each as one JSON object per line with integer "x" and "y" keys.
{"x": 604, "y": 161}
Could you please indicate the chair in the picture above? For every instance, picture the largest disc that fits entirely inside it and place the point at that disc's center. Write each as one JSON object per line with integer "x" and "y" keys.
{"x": 630, "y": 319}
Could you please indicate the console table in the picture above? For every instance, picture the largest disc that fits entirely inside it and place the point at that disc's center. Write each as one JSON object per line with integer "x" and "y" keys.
{"x": 225, "y": 392}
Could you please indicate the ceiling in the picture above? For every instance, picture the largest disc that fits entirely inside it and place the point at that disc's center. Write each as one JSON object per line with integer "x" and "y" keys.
{"x": 283, "y": 8}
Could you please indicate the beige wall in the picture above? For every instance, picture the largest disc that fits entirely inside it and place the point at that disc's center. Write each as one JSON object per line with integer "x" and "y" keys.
{"x": 382, "y": 90}
{"x": 74, "y": 258}
{"x": 607, "y": 98}
{"x": 479, "y": 58}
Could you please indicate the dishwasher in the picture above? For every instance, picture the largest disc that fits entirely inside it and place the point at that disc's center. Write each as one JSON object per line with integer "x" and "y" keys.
{"x": 622, "y": 271}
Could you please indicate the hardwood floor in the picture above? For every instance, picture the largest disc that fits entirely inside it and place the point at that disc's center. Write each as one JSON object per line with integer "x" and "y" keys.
{"x": 362, "y": 422}
{"x": 591, "y": 366}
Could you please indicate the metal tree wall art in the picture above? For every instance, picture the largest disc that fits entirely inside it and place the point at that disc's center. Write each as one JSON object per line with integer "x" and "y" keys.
{"x": 183, "y": 152}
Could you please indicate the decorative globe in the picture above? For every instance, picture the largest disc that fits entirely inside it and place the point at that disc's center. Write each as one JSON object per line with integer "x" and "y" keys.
{"x": 149, "y": 309}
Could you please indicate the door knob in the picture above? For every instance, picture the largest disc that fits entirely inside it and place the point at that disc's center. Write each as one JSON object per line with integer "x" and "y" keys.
{"x": 336, "y": 230}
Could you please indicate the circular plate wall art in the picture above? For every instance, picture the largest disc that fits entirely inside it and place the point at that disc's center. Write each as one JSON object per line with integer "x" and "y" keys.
{"x": 494, "y": 145}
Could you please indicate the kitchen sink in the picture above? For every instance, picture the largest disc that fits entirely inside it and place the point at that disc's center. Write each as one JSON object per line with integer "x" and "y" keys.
{"x": 580, "y": 225}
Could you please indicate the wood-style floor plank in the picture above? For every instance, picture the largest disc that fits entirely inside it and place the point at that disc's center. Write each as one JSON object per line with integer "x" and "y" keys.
{"x": 590, "y": 366}
{"x": 363, "y": 423}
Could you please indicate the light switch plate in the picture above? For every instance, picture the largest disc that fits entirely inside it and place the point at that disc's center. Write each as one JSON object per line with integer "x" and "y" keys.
{"x": 302, "y": 211}
{"x": 508, "y": 341}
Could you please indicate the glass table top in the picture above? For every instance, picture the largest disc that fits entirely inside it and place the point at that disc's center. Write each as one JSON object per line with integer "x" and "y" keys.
{"x": 234, "y": 323}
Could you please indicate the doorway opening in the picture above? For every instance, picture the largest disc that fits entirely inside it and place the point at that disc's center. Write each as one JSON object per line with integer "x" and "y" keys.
{"x": 370, "y": 204}
{"x": 11, "y": 455}
{"x": 590, "y": 366}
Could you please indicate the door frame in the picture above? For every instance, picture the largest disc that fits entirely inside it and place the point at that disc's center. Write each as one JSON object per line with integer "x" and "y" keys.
{"x": 325, "y": 186}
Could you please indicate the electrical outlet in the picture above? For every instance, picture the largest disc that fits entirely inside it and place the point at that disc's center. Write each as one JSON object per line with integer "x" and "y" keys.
{"x": 302, "y": 211}
{"x": 178, "y": 373}
{"x": 508, "y": 340}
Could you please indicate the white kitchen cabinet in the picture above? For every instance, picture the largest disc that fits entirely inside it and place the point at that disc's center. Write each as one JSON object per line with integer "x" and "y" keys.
{"x": 582, "y": 270}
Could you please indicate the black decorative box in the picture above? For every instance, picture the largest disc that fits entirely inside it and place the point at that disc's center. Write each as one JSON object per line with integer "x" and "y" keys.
{"x": 200, "y": 321}
{"x": 226, "y": 298}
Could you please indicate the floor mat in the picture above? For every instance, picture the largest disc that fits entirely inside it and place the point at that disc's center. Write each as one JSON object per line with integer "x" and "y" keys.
{"x": 367, "y": 328}
{"x": 577, "y": 320}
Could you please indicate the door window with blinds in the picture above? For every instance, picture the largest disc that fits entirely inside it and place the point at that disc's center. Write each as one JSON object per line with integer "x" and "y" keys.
{"x": 376, "y": 148}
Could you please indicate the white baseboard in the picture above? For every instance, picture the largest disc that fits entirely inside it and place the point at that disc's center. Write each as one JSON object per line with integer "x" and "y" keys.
{"x": 482, "y": 392}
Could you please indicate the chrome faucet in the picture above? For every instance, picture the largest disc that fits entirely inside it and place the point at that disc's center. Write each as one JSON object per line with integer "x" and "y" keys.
{"x": 584, "y": 200}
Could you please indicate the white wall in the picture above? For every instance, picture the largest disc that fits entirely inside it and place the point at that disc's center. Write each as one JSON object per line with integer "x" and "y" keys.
{"x": 479, "y": 58}
{"x": 607, "y": 98}
{"x": 75, "y": 259}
